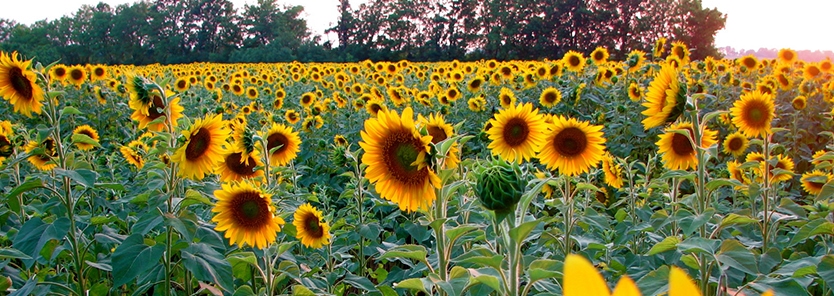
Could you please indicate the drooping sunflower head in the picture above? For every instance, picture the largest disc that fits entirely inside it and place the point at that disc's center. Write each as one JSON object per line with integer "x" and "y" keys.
{"x": 140, "y": 93}
{"x": 89, "y": 140}
{"x": 753, "y": 113}
{"x": 6, "y": 145}
{"x": 635, "y": 92}
{"x": 680, "y": 51}
{"x": 572, "y": 147}
{"x": 659, "y": 47}
{"x": 43, "y": 154}
{"x": 132, "y": 156}
{"x": 813, "y": 181}
{"x": 310, "y": 227}
{"x": 678, "y": 148}
{"x": 477, "y": 104}
{"x": 396, "y": 156}
{"x": 245, "y": 213}
{"x": 666, "y": 98}
{"x": 18, "y": 85}
{"x": 340, "y": 140}
{"x": 506, "y": 97}
{"x": 282, "y": 143}
{"x": 736, "y": 144}
{"x": 635, "y": 59}
{"x": 613, "y": 171}
{"x": 517, "y": 133}
{"x": 204, "y": 147}
{"x": 156, "y": 108}
{"x": 550, "y": 97}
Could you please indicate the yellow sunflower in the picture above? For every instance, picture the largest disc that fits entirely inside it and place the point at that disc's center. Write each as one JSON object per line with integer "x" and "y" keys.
{"x": 659, "y": 47}
{"x": 58, "y": 73}
{"x": 550, "y": 97}
{"x": 19, "y": 86}
{"x": 813, "y": 182}
{"x": 613, "y": 171}
{"x": 340, "y": 140}
{"x": 89, "y": 132}
{"x": 677, "y": 146}
{"x": 77, "y": 75}
{"x": 246, "y": 215}
{"x": 43, "y": 154}
{"x": 477, "y": 104}
{"x": 573, "y": 61}
{"x": 635, "y": 92}
{"x": 395, "y": 154}
{"x": 517, "y": 133}
{"x": 599, "y": 56}
{"x": 439, "y": 130}
{"x": 182, "y": 84}
{"x": 572, "y": 146}
{"x": 787, "y": 56}
{"x": 799, "y": 103}
{"x": 237, "y": 165}
{"x": 155, "y": 110}
{"x": 286, "y": 141}
{"x": 753, "y": 113}
{"x": 310, "y": 228}
{"x": 735, "y": 144}
{"x": 203, "y": 148}
{"x": 665, "y": 99}
{"x": 735, "y": 172}
{"x": 581, "y": 278}
{"x": 307, "y": 99}
{"x": 782, "y": 162}
{"x": 133, "y": 157}
{"x": 291, "y": 116}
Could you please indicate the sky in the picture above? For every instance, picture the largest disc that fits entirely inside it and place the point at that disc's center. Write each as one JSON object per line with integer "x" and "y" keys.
{"x": 751, "y": 24}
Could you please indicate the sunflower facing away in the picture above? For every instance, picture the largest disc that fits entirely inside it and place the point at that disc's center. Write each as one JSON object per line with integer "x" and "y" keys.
{"x": 245, "y": 213}
{"x": 439, "y": 130}
{"x": 203, "y": 147}
{"x": 572, "y": 146}
{"x": 286, "y": 140}
{"x": 395, "y": 154}
{"x": 677, "y": 146}
{"x": 665, "y": 98}
{"x": 753, "y": 113}
{"x": 517, "y": 133}
{"x": 736, "y": 144}
{"x": 19, "y": 86}
{"x": 89, "y": 132}
{"x": 311, "y": 230}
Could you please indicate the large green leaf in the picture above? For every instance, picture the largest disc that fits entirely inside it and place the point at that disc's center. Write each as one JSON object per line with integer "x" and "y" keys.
{"x": 825, "y": 269}
{"x": 84, "y": 177}
{"x": 413, "y": 252}
{"x": 734, "y": 254}
{"x": 208, "y": 265}
{"x": 420, "y": 284}
{"x": 133, "y": 258}
{"x": 34, "y": 235}
{"x": 544, "y": 268}
{"x": 11, "y": 199}
{"x": 360, "y": 282}
{"x": 11, "y": 253}
{"x": 812, "y": 228}
{"x": 520, "y": 233}
{"x": 667, "y": 244}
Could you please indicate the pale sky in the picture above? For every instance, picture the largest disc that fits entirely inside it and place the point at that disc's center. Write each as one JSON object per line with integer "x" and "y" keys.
{"x": 751, "y": 24}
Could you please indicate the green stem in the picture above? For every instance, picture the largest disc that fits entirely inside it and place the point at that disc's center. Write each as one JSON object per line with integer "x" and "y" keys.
{"x": 568, "y": 243}
{"x": 268, "y": 277}
{"x": 766, "y": 204}
{"x": 440, "y": 235}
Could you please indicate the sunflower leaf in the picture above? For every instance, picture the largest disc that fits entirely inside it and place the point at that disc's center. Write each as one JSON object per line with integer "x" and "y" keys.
{"x": 208, "y": 265}
{"x": 84, "y": 139}
{"x": 413, "y": 252}
{"x": 667, "y": 244}
{"x": 71, "y": 111}
{"x": 86, "y": 178}
{"x": 11, "y": 199}
{"x": 134, "y": 257}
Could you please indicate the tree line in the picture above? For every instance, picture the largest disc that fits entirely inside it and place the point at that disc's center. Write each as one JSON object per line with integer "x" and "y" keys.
{"x": 183, "y": 31}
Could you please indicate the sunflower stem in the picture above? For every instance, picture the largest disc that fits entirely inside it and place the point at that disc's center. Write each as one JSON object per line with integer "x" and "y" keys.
{"x": 568, "y": 215}
{"x": 268, "y": 277}
{"x": 766, "y": 204}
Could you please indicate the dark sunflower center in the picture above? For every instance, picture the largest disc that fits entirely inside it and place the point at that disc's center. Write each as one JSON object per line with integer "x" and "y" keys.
{"x": 570, "y": 142}
{"x": 250, "y": 210}
{"x": 198, "y": 144}
{"x": 60, "y": 72}
{"x": 506, "y": 100}
{"x": 20, "y": 83}
{"x": 681, "y": 145}
{"x": 99, "y": 72}
{"x": 312, "y": 226}
{"x": 815, "y": 185}
{"x": 181, "y": 84}
{"x": 157, "y": 108}
{"x": 475, "y": 84}
{"x": 252, "y": 93}
{"x": 550, "y": 97}
{"x": 453, "y": 93}
{"x": 735, "y": 144}
{"x": 292, "y": 116}
{"x": 400, "y": 150}
{"x": 573, "y": 61}
{"x": 437, "y": 134}
{"x": 76, "y": 74}
{"x": 756, "y": 114}
{"x": 306, "y": 100}
{"x": 275, "y": 140}
{"x": 86, "y": 133}
{"x": 516, "y": 132}
{"x": 598, "y": 56}
{"x": 235, "y": 163}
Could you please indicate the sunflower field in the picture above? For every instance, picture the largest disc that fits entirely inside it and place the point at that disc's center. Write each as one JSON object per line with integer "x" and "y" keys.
{"x": 652, "y": 175}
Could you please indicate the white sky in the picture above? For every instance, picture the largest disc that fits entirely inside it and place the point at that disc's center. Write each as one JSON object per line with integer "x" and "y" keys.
{"x": 751, "y": 24}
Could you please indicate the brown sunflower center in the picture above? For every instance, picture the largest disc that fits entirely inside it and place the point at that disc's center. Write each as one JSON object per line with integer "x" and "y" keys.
{"x": 181, "y": 84}
{"x": 157, "y": 108}
{"x": 453, "y": 93}
{"x": 252, "y": 93}
{"x": 573, "y": 61}
{"x": 599, "y": 56}
{"x": 275, "y": 140}
{"x": 516, "y": 131}
{"x": 198, "y": 144}
{"x": 250, "y": 210}
{"x": 375, "y": 108}
{"x": 506, "y": 100}
{"x": 400, "y": 150}
{"x": 292, "y": 116}
{"x": 235, "y": 163}
{"x": 475, "y": 84}
{"x": 550, "y": 97}
{"x": 98, "y": 72}
{"x": 681, "y": 145}
{"x": 87, "y": 133}
{"x": 735, "y": 144}
{"x": 437, "y": 134}
{"x": 20, "y": 83}
{"x": 570, "y": 142}
{"x": 312, "y": 226}
{"x": 60, "y": 72}
{"x": 814, "y": 185}
{"x": 76, "y": 74}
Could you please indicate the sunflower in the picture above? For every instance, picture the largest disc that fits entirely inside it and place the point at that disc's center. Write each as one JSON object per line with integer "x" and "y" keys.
{"x": 340, "y": 140}
{"x": 787, "y": 56}
{"x": 374, "y": 106}
{"x": 550, "y": 97}
{"x": 659, "y": 47}
{"x": 507, "y": 98}
{"x": 395, "y": 154}
{"x": 245, "y": 213}
{"x": 581, "y": 278}
{"x": 19, "y": 86}
{"x": 291, "y": 116}
{"x": 475, "y": 84}
{"x": 572, "y": 146}
{"x": 182, "y": 84}
{"x": 157, "y": 110}
{"x": 141, "y": 98}
{"x": 58, "y": 73}
{"x": 77, "y": 75}
{"x": 735, "y": 144}
{"x": 203, "y": 148}
{"x": 42, "y": 154}
{"x": 680, "y": 51}
{"x": 286, "y": 140}
{"x": 735, "y": 172}
{"x": 89, "y": 132}
{"x": 677, "y": 146}
{"x": 6, "y": 147}
{"x": 665, "y": 99}
{"x": 812, "y": 71}
{"x": 635, "y": 93}
{"x": 573, "y": 61}
{"x": 782, "y": 162}
{"x": 749, "y": 62}
{"x": 238, "y": 165}
{"x": 311, "y": 230}
{"x": 681, "y": 284}
{"x": 813, "y": 182}
{"x": 439, "y": 130}
{"x": 753, "y": 113}
{"x": 133, "y": 157}
{"x": 799, "y": 102}
{"x": 477, "y": 104}
{"x": 546, "y": 188}
{"x": 251, "y": 92}
{"x": 613, "y": 171}
{"x": 517, "y": 133}
{"x": 307, "y": 99}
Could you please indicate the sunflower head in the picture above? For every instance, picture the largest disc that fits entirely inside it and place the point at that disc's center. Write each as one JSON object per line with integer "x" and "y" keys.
{"x": 245, "y": 213}
{"x": 282, "y": 144}
{"x": 736, "y": 144}
{"x": 89, "y": 139}
{"x": 753, "y": 113}
{"x": 43, "y": 154}
{"x": 666, "y": 98}
{"x": 550, "y": 97}
{"x": 500, "y": 185}
{"x": 203, "y": 148}
{"x": 310, "y": 227}
{"x": 678, "y": 148}
{"x": 812, "y": 182}
{"x": 517, "y": 133}
{"x": 571, "y": 146}
{"x": 18, "y": 85}
{"x": 613, "y": 171}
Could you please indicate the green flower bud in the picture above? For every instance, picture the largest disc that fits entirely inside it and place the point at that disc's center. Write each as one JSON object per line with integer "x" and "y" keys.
{"x": 500, "y": 186}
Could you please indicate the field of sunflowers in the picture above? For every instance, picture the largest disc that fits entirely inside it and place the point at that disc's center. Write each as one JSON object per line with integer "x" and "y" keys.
{"x": 652, "y": 175}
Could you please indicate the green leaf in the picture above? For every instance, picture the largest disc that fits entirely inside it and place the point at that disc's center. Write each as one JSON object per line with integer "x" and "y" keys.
{"x": 655, "y": 282}
{"x": 734, "y": 254}
{"x": 667, "y": 244}
{"x": 86, "y": 178}
{"x": 456, "y": 232}
{"x": 84, "y": 139}
{"x": 491, "y": 261}
{"x": 299, "y": 290}
{"x": 71, "y": 111}
{"x": 11, "y": 199}
{"x": 486, "y": 276}
{"x": 134, "y": 257}
{"x": 781, "y": 286}
{"x": 208, "y": 265}
{"x": 10, "y": 253}
{"x": 769, "y": 260}
{"x": 714, "y": 184}
{"x": 413, "y": 252}
{"x": 825, "y": 269}
{"x": 113, "y": 186}
{"x": 419, "y": 284}
{"x": 814, "y": 227}
{"x": 541, "y": 269}
{"x": 699, "y": 245}
{"x": 193, "y": 197}
{"x": 34, "y": 235}
{"x": 5, "y": 283}
{"x": 457, "y": 282}
{"x": 360, "y": 282}
{"x": 520, "y": 233}
{"x": 736, "y": 219}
